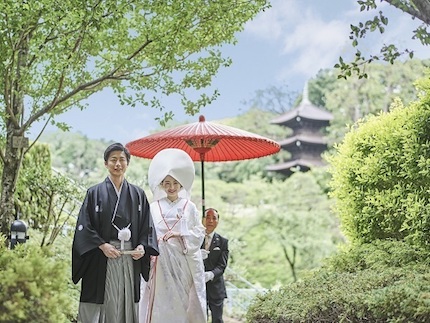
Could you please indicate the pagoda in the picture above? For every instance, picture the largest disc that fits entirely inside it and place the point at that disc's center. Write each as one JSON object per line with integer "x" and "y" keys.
{"x": 307, "y": 142}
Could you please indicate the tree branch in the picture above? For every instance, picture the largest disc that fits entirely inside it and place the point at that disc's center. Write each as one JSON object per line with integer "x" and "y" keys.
{"x": 422, "y": 12}
{"x": 38, "y": 136}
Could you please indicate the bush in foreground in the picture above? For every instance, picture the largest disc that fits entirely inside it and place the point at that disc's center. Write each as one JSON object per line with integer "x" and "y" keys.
{"x": 380, "y": 175}
{"x": 34, "y": 286}
{"x": 385, "y": 281}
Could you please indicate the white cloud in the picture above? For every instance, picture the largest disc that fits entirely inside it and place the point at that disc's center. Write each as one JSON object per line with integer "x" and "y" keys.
{"x": 304, "y": 39}
{"x": 315, "y": 44}
{"x": 271, "y": 24}
{"x": 311, "y": 35}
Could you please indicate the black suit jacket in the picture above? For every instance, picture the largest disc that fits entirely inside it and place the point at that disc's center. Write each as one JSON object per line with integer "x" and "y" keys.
{"x": 217, "y": 262}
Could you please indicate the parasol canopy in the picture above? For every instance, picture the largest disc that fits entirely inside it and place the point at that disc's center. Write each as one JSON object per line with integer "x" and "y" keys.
{"x": 206, "y": 141}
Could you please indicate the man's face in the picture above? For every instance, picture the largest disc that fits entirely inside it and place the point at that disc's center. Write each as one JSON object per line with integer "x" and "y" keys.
{"x": 210, "y": 221}
{"x": 116, "y": 163}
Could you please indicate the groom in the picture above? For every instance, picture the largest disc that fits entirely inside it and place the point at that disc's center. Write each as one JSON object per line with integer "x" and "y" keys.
{"x": 217, "y": 248}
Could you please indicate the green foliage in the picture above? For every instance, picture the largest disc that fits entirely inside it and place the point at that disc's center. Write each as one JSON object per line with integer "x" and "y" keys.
{"x": 269, "y": 222}
{"x": 300, "y": 224}
{"x": 389, "y": 52}
{"x": 353, "y": 99}
{"x": 47, "y": 200}
{"x": 75, "y": 154}
{"x": 257, "y": 121}
{"x": 321, "y": 85}
{"x": 380, "y": 282}
{"x": 74, "y": 50}
{"x": 55, "y": 55}
{"x": 380, "y": 184}
{"x": 247, "y": 201}
{"x": 34, "y": 286}
{"x": 381, "y": 175}
{"x": 377, "y": 255}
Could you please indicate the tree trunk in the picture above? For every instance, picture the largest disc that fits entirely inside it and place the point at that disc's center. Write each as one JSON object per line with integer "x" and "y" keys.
{"x": 11, "y": 166}
{"x": 291, "y": 261}
{"x": 15, "y": 141}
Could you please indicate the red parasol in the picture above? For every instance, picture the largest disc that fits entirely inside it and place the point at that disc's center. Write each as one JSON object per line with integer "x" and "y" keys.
{"x": 206, "y": 141}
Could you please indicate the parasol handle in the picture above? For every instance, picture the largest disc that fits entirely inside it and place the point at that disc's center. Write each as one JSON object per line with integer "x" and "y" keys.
{"x": 202, "y": 161}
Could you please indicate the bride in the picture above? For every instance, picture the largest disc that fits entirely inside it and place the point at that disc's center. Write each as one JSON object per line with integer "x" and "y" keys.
{"x": 176, "y": 290}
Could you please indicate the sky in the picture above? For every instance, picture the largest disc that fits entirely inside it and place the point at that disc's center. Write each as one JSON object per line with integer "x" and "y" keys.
{"x": 285, "y": 45}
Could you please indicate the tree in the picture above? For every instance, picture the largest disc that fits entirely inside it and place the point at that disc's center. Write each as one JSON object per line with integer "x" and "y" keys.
{"x": 355, "y": 98}
{"x": 300, "y": 222}
{"x": 275, "y": 99}
{"x": 285, "y": 225}
{"x": 47, "y": 200}
{"x": 417, "y": 9}
{"x": 55, "y": 54}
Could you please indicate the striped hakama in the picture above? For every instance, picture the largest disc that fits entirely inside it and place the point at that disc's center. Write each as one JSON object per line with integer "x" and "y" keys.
{"x": 119, "y": 305}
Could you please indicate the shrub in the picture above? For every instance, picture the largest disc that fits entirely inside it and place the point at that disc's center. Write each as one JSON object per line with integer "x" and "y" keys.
{"x": 34, "y": 286}
{"x": 355, "y": 287}
{"x": 381, "y": 173}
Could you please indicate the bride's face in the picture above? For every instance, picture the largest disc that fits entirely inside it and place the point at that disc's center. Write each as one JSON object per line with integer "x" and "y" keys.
{"x": 171, "y": 186}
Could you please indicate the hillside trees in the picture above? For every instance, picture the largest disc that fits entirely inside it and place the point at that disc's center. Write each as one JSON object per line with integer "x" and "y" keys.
{"x": 348, "y": 100}
{"x": 355, "y": 98}
{"x": 297, "y": 220}
{"x": 417, "y": 9}
{"x": 254, "y": 120}
{"x": 255, "y": 213}
{"x": 277, "y": 230}
{"x": 77, "y": 156}
{"x": 56, "y": 54}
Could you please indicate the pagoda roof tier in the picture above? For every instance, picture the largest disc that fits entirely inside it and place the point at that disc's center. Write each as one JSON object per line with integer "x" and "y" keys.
{"x": 294, "y": 163}
{"x": 310, "y": 139}
{"x": 305, "y": 110}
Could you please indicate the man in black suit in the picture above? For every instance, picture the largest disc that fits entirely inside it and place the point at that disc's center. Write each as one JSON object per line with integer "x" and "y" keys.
{"x": 216, "y": 248}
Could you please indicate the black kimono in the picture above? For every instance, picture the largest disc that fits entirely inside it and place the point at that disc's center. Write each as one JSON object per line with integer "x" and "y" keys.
{"x": 94, "y": 227}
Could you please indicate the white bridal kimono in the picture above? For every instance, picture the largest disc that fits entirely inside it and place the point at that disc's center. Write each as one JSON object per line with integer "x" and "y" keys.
{"x": 176, "y": 289}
